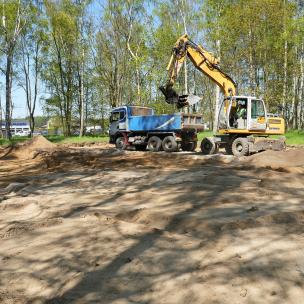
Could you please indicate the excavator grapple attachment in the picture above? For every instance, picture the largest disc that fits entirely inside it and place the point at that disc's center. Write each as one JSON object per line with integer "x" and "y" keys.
{"x": 179, "y": 100}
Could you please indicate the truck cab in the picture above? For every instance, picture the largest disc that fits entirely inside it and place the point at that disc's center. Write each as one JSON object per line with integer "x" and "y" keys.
{"x": 119, "y": 119}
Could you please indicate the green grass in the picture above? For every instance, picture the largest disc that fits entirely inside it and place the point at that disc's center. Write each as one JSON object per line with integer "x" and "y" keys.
{"x": 204, "y": 134}
{"x": 5, "y": 142}
{"x": 295, "y": 137}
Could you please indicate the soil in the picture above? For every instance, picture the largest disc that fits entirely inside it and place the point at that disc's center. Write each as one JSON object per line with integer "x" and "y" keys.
{"x": 97, "y": 225}
{"x": 289, "y": 160}
{"x": 28, "y": 149}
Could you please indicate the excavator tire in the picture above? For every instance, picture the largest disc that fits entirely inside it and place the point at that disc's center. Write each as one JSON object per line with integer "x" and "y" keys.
{"x": 240, "y": 147}
{"x": 154, "y": 144}
{"x": 189, "y": 146}
{"x": 169, "y": 144}
{"x": 208, "y": 146}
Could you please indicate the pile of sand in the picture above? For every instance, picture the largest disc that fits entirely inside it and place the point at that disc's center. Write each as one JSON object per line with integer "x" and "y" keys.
{"x": 29, "y": 149}
{"x": 288, "y": 161}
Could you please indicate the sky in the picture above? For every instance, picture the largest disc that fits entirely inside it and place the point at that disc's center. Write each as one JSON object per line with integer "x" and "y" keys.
{"x": 19, "y": 101}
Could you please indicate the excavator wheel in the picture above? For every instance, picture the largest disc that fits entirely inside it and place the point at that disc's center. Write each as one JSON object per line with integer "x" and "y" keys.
{"x": 208, "y": 146}
{"x": 240, "y": 147}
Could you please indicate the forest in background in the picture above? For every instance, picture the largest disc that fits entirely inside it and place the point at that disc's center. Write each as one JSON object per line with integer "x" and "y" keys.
{"x": 86, "y": 57}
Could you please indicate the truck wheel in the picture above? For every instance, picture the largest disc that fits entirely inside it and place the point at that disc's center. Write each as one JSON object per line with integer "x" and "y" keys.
{"x": 154, "y": 144}
{"x": 208, "y": 146}
{"x": 140, "y": 147}
{"x": 240, "y": 147}
{"x": 169, "y": 144}
{"x": 189, "y": 146}
{"x": 120, "y": 143}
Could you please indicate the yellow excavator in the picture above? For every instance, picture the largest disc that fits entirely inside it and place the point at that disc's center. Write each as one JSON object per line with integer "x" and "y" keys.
{"x": 243, "y": 124}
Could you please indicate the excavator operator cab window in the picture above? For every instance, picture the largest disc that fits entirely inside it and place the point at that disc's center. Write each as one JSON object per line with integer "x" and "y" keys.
{"x": 238, "y": 113}
{"x": 257, "y": 109}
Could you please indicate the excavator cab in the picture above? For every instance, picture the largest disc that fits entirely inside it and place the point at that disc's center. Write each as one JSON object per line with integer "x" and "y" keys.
{"x": 242, "y": 113}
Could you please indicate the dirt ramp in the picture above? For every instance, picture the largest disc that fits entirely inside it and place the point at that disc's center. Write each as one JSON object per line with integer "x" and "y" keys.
{"x": 286, "y": 161}
{"x": 29, "y": 149}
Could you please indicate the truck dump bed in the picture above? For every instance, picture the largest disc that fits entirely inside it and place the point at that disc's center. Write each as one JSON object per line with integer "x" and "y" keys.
{"x": 166, "y": 122}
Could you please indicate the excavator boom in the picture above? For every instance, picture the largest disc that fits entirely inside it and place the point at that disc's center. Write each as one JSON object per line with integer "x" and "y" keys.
{"x": 203, "y": 61}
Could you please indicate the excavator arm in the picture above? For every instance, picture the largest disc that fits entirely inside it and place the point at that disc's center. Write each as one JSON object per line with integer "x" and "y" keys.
{"x": 203, "y": 61}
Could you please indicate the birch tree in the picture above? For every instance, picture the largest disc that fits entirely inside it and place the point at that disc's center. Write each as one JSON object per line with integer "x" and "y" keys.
{"x": 12, "y": 23}
{"x": 32, "y": 42}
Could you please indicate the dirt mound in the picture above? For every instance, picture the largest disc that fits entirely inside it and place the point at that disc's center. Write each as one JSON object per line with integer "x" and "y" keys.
{"x": 286, "y": 161}
{"x": 199, "y": 227}
{"x": 30, "y": 148}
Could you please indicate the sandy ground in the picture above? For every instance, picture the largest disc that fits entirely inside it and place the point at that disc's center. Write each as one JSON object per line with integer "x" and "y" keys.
{"x": 95, "y": 225}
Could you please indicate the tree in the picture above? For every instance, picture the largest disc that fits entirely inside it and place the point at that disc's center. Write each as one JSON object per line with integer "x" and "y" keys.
{"x": 12, "y": 23}
{"x": 61, "y": 67}
{"x": 33, "y": 40}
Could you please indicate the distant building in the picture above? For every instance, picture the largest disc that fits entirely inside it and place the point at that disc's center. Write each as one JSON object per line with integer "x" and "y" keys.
{"x": 17, "y": 127}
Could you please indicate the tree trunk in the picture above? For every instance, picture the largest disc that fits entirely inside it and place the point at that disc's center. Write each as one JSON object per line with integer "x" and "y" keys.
{"x": 217, "y": 93}
{"x": 81, "y": 95}
{"x": 285, "y": 79}
{"x": 301, "y": 88}
{"x": 284, "y": 102}
{"x": 294, "y": 112}
{"x": 8, "y": 95}
{"x": 252, "y": 86}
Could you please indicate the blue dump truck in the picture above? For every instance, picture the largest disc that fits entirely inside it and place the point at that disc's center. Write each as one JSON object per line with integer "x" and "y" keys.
{"x": 141, "y": 128}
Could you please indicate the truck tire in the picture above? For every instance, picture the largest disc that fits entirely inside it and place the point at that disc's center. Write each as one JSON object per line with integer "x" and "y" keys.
{"x": 208, "y": 146}
{"x": 154, "y": 144}
{"x": 240, "y": 147}
{"x": 120, "y": 143}
{"x": 189, "y": 146}
{"x": 169, "y": 144}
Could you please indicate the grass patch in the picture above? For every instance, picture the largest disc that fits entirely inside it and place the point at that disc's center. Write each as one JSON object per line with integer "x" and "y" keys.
{"x": 14, "y": 140}
{"x": 204, "y": 134}
{"x": 295, "y": 137}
